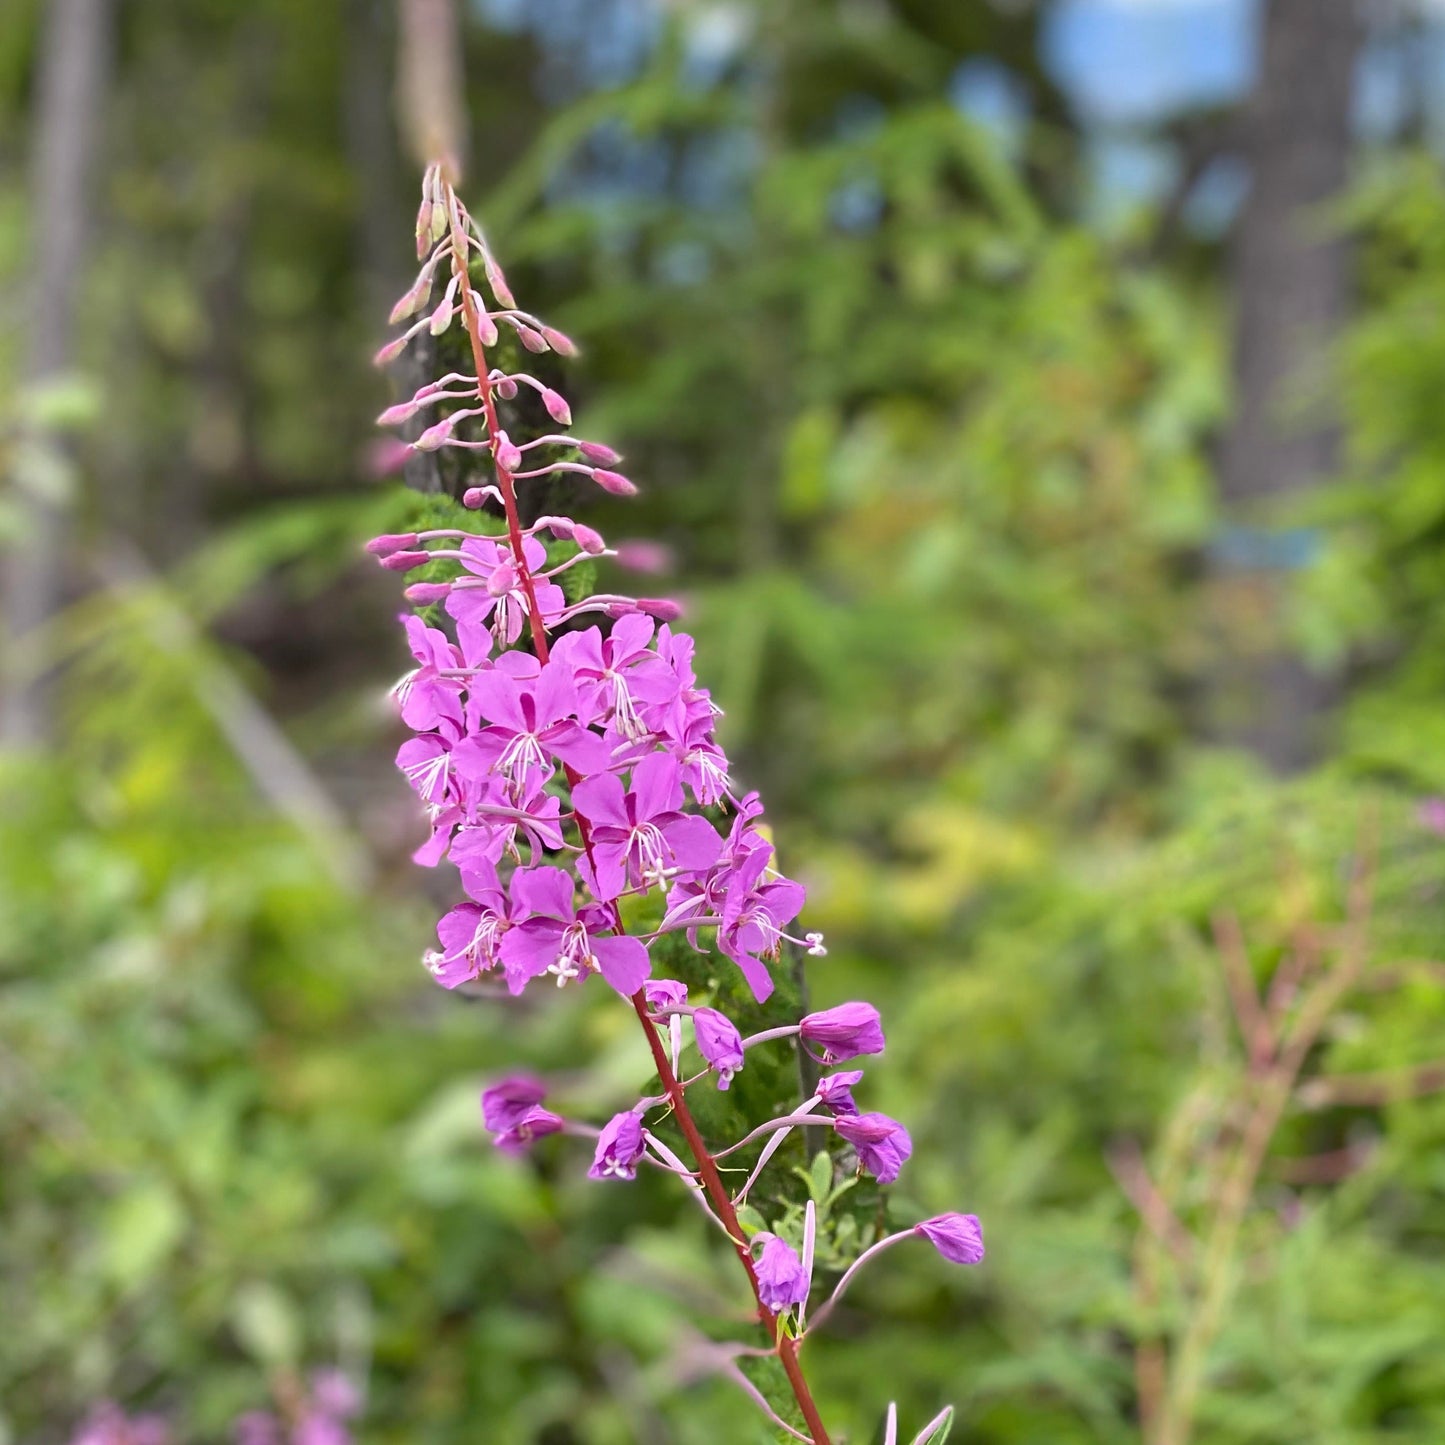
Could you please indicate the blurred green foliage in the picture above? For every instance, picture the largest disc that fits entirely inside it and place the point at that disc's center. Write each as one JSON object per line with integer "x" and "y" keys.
{"x": 935, "y": 462}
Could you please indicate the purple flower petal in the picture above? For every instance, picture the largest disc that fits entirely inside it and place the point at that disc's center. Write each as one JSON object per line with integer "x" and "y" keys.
{"x": 957, "y": 1237}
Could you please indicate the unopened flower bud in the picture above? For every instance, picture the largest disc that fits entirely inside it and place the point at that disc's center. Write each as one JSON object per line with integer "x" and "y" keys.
{"x": 404, "y": 561}
{"x": 613, "y": 482}
{"x": 414, "y": 299}
{"x": 559, "y": 341}
{"x": 391, "y": 542}
{"x": 487, "y": 329}
{"x": 599, "y": 455}
{"x": 474, "y": 497}
{"x": 441, "y": 318}
{"x": 435, "y": 436}
{"x": 506, "y": 388}
{"x": 508, "y": 455}
{"x": 649, "y": 557}
{"x": 588, "y": 540}
{"x": 498, "y": 282}
{"x": 534, "y": 341}
{"x": 423, "y": 226}
{"x": 402, "y": 411}
{"x": 662, "y": 608}
{"x": 389, "y": 352}
{"x": 557, "y": 407}
{"x": 425, "y": 593}
{"x": 387, "y": 456}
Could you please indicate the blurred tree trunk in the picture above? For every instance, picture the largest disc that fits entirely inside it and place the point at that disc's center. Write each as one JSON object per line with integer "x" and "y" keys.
{"x": 73, "y": 63}
{"x": 1291, "y": 284}
{"x": 381, "y": 224}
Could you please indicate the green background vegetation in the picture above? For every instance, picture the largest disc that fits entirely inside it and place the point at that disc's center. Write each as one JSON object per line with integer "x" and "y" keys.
{"x": 942, "y": 492}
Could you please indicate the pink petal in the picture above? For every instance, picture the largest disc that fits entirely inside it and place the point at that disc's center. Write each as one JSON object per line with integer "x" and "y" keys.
{"x": 625, "y": 963}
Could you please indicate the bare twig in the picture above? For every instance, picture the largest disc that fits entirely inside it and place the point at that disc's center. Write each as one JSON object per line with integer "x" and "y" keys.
{"x": 1126, "y": 1163}
{"x": 1254, "y": 1023}
{"x": 1373, "y": 1091}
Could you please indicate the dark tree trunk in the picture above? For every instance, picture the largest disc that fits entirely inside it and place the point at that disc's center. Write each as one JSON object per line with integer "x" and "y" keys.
{"x": 1291, "y": 282}
{"x": 74, "y": 60}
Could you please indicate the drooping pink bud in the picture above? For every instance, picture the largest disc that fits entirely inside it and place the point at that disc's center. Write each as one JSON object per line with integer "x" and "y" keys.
{"x": 474, "y": 497}
{"x": 404, "y": 561}
{"x": 508, "y": 455}
{"x": 425, "y": 593}
{"x": 557, "y": 407}
{"x": 562, "y": 528}
{"x": 423, "y": 226}
{"x": 662, "y": 608}
{"x": 506, "y": 388}
{"x": 588, "y": 540}
{"x": 651, "y": 558}
{"x": 441, "y": 318}
{"x": 386, "y": 456}
{"x": 613, "y": 482}
{"x": 414, "y": 299}
{"x": 402, "y": 411}
{"x": 436, "y": 436}
{"x": 487, "y": 329}
{"x": 559, "y": 341}
{"x": 389, "y": 352}
{"x": 957, "y": 1237}
{"x": 598, "y": 454}
{"x": 498, "y": 282}
{"x": 391, "y": 542}
{"x": 534, "y": 341}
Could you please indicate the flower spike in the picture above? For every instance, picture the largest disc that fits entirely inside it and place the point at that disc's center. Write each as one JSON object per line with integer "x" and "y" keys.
{"x": 565, "y": 759}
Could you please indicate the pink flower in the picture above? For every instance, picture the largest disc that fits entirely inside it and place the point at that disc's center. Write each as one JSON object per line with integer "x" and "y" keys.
{"x": 619, "y": 1148}
{"x": 845, "y": 1032}
{"x": 513, "y": 1110}
{"x": 882, "y": 1143}
{"x": 639, "y": 836}
{"x": 957, "y": 1237}
{"x": 719, "y": 1042}
{"x": 533, "y": 723}
{"x": 498, "y": 597}
{"x": 836, "y": 1091}
{"x": 471, "y": 935}
{"x": 554, "y": 937}
{"x": 782, "y": 1280}
{"x": 612, "y": 672}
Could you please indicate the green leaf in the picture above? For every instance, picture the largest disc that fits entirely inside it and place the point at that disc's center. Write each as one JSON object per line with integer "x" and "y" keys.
{"x": 266, "y": 1323}
{"x": 141, "y": 1229}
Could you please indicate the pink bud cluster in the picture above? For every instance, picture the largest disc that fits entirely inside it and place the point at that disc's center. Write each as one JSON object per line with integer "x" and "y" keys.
{"x": 566, "y": 759}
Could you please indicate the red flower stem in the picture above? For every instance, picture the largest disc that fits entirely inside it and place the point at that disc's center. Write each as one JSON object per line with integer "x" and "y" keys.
{"x": 785, "y": 1345}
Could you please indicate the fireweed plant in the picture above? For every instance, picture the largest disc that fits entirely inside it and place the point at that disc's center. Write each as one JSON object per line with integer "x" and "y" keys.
{"x": 571, "y": 773}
